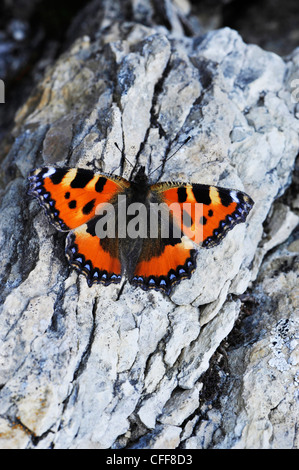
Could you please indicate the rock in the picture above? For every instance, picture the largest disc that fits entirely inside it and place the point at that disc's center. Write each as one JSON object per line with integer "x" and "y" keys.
{"x": 181, "y": 405}
{"x": 110, "y": 367}
{"x": 205, "y": 431}
{"x": 264, "y": 367}
{"x": 164, "y": 437}
{"x": 282, "y": 221}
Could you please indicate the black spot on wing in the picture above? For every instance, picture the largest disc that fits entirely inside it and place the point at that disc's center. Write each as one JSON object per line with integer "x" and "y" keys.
{"x": 91, "y": 226}
{"x": 93, "y": 230}
{"x": 88, "y": 207}
{"x": 99, "y": 186}
{"x": 72, "y": 204}
{"x": 82, "y": 178}
{"x": 58, "y": 176}
{"x": 182, "y": 194}
{"x": 225, "y": 197}
{"x": 202, "y": 193}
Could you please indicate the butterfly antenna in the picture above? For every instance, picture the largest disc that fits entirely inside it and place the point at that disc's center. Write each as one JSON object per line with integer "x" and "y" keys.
{"x": 123, "y": 155}
{"x": 172, "y": 155}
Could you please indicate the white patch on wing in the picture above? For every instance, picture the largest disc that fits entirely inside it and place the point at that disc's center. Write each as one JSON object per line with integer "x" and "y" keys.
{"x": 50, "y": 172}
{"x": 233, "y": 195}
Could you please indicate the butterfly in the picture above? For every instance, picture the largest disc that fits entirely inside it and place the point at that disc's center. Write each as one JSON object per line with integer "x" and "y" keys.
{"x": 71, "y": 198}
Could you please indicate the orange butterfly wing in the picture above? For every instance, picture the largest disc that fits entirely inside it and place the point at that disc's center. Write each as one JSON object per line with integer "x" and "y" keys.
{"x": 175, "y": 261}
{"x": 70, "y": 198}
{"x": 98, "y": 259}
{"x": 202, "y": 213}
{"x": 205, "y": 213}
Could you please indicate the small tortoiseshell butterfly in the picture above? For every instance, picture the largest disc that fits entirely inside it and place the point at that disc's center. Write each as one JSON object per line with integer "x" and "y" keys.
{"x": 70, "y": 198}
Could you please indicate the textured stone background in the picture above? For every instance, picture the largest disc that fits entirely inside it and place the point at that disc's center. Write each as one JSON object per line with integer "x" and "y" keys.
{"x": 216, "y": 364}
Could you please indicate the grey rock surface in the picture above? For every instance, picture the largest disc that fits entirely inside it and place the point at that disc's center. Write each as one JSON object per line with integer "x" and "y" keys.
{"x": 113, "y": 367}
{"x": 259, "y": 403}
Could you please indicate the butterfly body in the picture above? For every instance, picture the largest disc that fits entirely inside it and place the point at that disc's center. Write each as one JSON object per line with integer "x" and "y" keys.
{"x": 153, "y": 248}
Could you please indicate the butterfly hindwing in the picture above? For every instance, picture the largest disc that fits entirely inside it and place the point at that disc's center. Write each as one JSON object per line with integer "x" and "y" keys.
{"x": 97, "y": 259}
{"x": 206, "y": 212}
{"x": 162, "y": 269}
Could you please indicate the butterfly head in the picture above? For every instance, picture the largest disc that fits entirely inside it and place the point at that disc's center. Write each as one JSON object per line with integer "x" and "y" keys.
{"x": 141, "y": 177}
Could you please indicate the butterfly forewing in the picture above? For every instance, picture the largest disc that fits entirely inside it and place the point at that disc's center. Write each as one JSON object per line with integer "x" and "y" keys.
{"x": 71, "y": 196}
{"x": 206, "y": 213}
